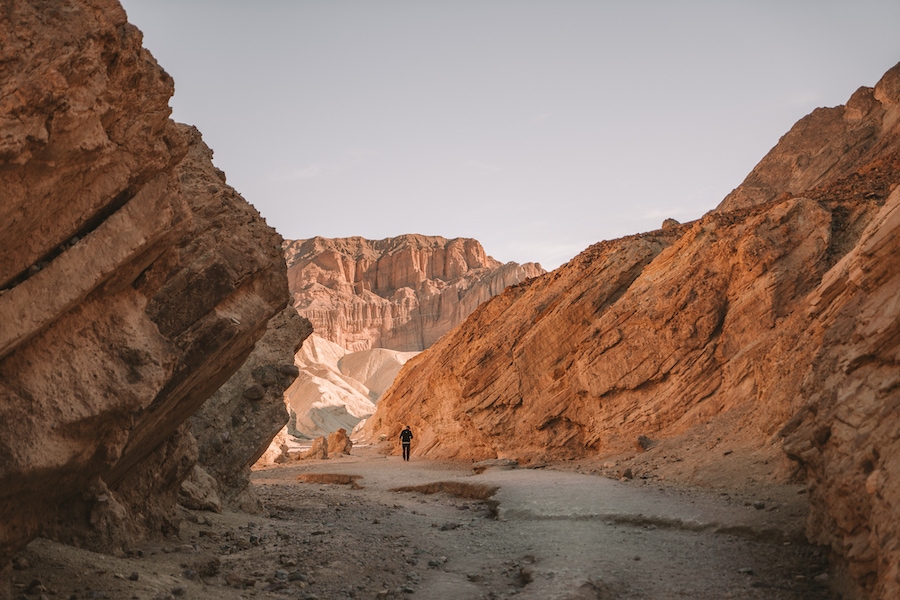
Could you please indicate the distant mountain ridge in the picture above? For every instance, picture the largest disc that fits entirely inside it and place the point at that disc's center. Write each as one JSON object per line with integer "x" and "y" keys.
{"x": 373, "y": 305}
{"x": 401, "y": 293}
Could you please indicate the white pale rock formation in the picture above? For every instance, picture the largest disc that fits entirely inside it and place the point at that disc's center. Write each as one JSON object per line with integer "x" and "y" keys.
{"x": 336, "y": 388}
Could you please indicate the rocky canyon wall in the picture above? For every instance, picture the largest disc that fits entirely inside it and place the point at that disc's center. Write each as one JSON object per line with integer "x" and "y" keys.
{"x": 399, "y": 293}
{"x": 773, "y": 318}
{"x": 133, "y": 281}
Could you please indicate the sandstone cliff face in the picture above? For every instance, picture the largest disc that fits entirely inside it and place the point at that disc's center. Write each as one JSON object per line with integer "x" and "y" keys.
{"x": 780, "y": 306}
{"x": 845, "y": 436}
{"x": 134, "y": 281}
{"x": 399, "y": 293}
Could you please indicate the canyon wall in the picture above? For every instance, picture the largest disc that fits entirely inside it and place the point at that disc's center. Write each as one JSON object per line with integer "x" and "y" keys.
{"x": 373, "y": 305}
{"x": 133, "y": 281}
{"x": 769, "y": 325}
{"x": 399, "y": 293}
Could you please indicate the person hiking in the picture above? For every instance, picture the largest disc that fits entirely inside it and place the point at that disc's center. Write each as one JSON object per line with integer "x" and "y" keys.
{"x": 406, "y": 437}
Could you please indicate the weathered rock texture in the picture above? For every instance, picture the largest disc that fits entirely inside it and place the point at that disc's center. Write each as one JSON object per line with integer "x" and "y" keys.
{"x": 236, "y": 425}
{"x": 827, "y": 145}
{"x": 846, "y": 435}
{"x": 399, "y": 293}
{"x": 779, "y": 307}
{"x": 134, "y": 281}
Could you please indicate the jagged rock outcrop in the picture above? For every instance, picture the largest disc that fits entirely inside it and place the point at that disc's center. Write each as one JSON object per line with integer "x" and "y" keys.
{"x": 134, "y": 280}
{"x": 399, "y": 293}
{"x": 239, "y": 421}
{"x": 779, "y": 307}
{"x": 827, "y": 145}
{"x": 336, "y": 389}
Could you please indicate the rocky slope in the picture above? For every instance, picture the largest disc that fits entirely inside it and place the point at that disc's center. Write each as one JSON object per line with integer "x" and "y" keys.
{"x": 399, "y": 293}
{"x": 134, "y": 280}
{"x": 778, "y": 308}
{"x": 845, "y": 436}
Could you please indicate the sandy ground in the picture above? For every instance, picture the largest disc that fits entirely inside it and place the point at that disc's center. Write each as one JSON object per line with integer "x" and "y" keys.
{"x": 374, "y": 526}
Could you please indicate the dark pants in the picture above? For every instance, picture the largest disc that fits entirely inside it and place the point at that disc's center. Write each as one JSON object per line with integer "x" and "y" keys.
{"x": 405, "y": 451}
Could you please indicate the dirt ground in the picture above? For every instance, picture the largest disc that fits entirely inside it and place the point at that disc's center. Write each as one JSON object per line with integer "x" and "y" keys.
{"x": 373, "y": 526}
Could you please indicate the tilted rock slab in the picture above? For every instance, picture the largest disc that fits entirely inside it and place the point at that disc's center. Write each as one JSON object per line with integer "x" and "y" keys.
{"x": 780, "y": 307}
{"x": 134, "y": 280}
{"x": 400, "y": 293}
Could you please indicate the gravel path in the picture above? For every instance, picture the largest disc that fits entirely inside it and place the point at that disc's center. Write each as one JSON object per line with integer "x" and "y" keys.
{"x": 369, "y": 526}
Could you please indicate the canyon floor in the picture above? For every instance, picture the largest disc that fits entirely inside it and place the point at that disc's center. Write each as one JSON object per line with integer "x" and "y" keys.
{"x": 373, "y": 526}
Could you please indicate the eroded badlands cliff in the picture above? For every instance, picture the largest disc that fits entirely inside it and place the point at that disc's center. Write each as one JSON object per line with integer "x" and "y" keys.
{"x": 373, "y": 304}
{"x": 773, "y": 319}
{"x": 399, "y": 293}
{"x": 133, "y": 280}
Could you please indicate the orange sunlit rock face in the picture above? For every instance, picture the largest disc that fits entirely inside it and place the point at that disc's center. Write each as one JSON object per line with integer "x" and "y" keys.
{"x": 134, "y": 280}
{"x": 778, "y": 308}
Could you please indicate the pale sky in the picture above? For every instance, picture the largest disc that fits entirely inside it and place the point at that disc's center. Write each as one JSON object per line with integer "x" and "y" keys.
{"x": 535, "y": 127}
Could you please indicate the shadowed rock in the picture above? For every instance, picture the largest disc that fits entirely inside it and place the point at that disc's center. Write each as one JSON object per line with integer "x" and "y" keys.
{"x": 134, "y": 280}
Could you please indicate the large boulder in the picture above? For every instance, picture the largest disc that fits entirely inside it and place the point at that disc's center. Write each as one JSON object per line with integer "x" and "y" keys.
{"x": 339, "y": 442}
{"x": 236, "y": 425}
{"x": 133, "y": 280}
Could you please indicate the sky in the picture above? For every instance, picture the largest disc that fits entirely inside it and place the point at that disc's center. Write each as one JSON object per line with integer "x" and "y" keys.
{"x": 536, "y": 127}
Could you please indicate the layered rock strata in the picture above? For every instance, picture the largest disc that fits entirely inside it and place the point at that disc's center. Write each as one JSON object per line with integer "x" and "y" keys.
{"x": 134, "y": 280}
{"x": 399, "y": 293}
{"x": 780, "y": 307}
